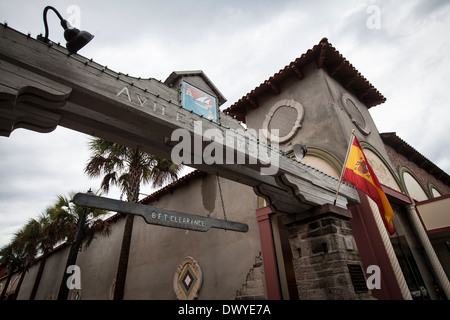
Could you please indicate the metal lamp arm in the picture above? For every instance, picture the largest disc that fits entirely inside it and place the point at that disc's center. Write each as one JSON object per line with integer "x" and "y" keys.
{"x": 64, "y": 22}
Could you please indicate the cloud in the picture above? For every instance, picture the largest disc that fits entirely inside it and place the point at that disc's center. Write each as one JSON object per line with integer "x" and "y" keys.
{"x": 238, "y": 44}
{"x": 404, "y": 60}
{"x": 35, "y": 168}
{"x": 430, "y": 9}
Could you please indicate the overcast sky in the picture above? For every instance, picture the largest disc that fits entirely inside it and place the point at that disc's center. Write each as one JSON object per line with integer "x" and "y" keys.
{"x": 401, "y": 47}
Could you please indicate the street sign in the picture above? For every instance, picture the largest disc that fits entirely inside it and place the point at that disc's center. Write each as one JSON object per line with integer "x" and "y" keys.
{"x": 158, "y": 216}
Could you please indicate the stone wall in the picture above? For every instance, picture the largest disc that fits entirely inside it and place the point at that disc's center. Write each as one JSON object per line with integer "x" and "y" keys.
{"x": 253, "y": 288}
{"x": 325, "y": 258}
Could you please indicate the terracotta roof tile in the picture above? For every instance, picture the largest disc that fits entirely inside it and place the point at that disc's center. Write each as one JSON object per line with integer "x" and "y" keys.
{"x": 324, "y": 55}
{"x": 169, "y": 188}
{"x": 400, "y": 146}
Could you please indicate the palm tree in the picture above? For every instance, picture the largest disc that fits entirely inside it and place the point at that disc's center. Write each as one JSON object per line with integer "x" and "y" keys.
{"x": 75, "y": 224}
{"x": 8, "y": 260}
{"x": 20, "y": 254}
{"x": 25, "y": 243}
{"x": 64, "y": 221}
{"x": 48, "y": 237}
{"x": 127, "y": 168}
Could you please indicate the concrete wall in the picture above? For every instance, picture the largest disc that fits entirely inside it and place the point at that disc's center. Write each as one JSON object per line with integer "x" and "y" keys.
{"x": 225, "y": 257}
{"x": 327, "y": 123}
{"x": 319, "y": 127}
{"x": 51, "y": 277}
{"x": 435, "y": 214}
{"x": 98, "y": 264}
{"x": 98, "y": 267}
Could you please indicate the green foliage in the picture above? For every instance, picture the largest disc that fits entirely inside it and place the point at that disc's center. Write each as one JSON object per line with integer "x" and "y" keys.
{"x": 127, "y": 167}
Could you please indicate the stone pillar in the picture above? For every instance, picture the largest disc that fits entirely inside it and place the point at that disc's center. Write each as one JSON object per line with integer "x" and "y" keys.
{"x": 325, "y": 258}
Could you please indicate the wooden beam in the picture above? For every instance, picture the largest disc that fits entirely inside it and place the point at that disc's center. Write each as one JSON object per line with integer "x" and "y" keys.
{"x": 273, "y": 86}
{"x": 45, "y": 85}
{"x": 350, "y": 81}
{"x": 364, "y": 93}
{"x": 332, "y": 70}
{"x": 321, "y": 58}
{"x": 252, "y": 102}
{"x": 297, "y": 71}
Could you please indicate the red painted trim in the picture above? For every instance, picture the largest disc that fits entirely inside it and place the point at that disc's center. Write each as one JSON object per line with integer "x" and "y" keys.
{"x": 429, "y": 231}
{"x": 268, "y": 252}
{"x": 263, "y": 213}
{"x": 417, "y": 205}
{"x": 420, "y": 218}
{"x": 437, "y": 230}
{"x": 433, "y": 200}
{"x": 396, "y": 197}
{"x": 372, "y": 251}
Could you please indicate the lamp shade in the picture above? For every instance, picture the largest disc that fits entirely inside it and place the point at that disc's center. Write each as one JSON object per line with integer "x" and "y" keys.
{"x": 300, "y": 151}
{"x": 76, "y": 39}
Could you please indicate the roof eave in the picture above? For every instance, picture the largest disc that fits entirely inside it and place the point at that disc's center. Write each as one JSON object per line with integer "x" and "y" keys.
{"x": 325, "y": 56}
{"x": 177, "y": 74}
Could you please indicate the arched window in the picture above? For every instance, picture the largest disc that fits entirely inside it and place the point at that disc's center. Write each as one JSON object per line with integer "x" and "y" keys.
{"x": 412, "y": 185}
{"x": 434, "y": 191}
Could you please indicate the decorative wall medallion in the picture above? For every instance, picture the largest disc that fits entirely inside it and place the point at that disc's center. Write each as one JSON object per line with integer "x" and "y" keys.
{"x": 76, "y": 294}
{"x": 354, "y": 113}
{"x": 286, "y": 116}
{"x": 188, "y": 279}
{"x": 112, "y": 289}
{"x": 50, "y": 295}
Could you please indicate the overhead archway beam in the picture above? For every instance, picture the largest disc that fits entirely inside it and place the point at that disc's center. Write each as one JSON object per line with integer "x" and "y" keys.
{"x": 42, "y": 87}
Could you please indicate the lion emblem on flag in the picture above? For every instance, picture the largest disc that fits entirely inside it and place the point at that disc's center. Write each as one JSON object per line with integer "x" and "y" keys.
{"x": 362, "y": 168}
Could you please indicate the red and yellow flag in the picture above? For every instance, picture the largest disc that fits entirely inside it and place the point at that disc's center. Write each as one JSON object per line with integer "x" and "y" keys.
{"x": 359, "y": 172}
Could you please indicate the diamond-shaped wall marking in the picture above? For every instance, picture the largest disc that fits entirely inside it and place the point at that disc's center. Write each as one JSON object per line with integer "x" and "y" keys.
{"x": 187, "y": 280}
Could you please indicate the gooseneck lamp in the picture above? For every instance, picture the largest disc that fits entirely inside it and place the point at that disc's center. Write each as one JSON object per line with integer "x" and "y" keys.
{"x": 75, "y": 38}
{"x": 300, "y": 151}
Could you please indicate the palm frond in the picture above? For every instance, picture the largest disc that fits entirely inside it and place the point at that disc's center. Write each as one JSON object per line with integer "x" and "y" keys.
{"x": 108, "y": 180}
{"x": 161, "y": 172}
{"x": 127, "y": 167}
{"x": 94, "y": 168}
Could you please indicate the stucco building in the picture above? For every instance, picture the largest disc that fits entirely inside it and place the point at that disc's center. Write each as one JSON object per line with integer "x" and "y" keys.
{"x": 316, "y": 100}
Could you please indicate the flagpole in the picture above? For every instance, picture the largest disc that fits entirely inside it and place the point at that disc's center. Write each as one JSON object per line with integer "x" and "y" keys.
{"x": 345, "y": 165}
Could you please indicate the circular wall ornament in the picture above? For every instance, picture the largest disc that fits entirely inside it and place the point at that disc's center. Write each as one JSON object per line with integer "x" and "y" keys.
{"x": 354, "y": 113}
{"x": 286, "y": 116}
{"x": 112, "y": 289}
{"x": 187, "y": 280}
{"x": 76, "y": 294}
{"x": 50, "y": 295}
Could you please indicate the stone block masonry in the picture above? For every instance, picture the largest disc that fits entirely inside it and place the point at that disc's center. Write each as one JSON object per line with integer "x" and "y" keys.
{"x": 324, "y": 255}
{"x": 253, "y": 288}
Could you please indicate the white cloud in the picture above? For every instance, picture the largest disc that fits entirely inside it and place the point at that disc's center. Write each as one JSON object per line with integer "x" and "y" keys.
{"x": 238, "y": 44}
